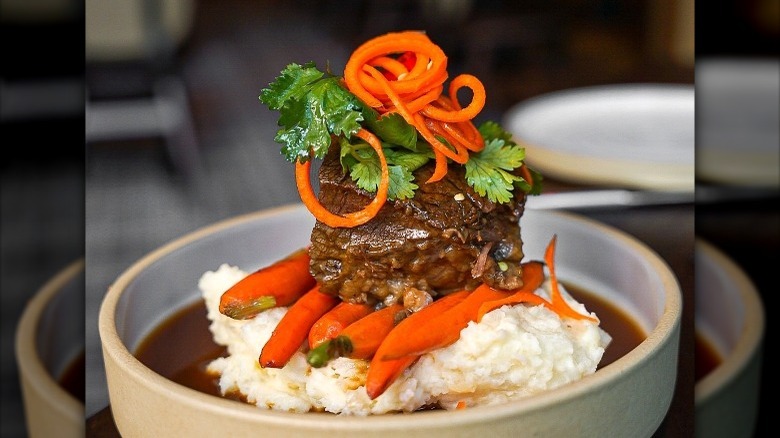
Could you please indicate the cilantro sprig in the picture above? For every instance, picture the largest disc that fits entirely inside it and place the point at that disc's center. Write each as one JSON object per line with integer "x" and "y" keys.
{"x": 491, "y": 171}
{"x": 312, "y": 107}
{"x": 315, "y": 108}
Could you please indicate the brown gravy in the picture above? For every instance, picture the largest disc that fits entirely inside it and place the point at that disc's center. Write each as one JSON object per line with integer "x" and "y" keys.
{"x": 182, "y": 347}
{"x": 73, "y": 379}
{"x": 706, "y": 357}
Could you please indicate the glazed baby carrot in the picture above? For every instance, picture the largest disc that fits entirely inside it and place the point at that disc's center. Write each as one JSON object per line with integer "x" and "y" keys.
{"x": 294, "y": 326}
{"x": 367, "y": 334}
{"x": 335, "y": 320}
{"x": 382, "y": 373}
{"x": 533, "y": 277}
{"x": 360, "y": 339}
{"x": 279, "y": 284}
{"x": 444, "y": 328}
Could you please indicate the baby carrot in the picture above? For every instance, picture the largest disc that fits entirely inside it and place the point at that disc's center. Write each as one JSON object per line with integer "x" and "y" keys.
{"x": 366, "y": 334}
{"x": 335, "y": 320}
{"x": 533, "y": 277}
{"x": 360, "y": 339}
{"x": 443, "y": 329}
{"x": 294, "y": 326}
{"x": 279, "y": 284}
{"x": 382, "y": 373}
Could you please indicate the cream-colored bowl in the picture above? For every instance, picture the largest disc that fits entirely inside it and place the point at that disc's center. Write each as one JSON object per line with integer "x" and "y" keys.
{"x": 49, "y": 338}
{"x": 629, "y": 397}
{"x": 730, "y": 315}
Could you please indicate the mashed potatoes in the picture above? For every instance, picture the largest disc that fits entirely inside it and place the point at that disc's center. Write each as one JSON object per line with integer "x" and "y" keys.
{"x": 515, "y": 351}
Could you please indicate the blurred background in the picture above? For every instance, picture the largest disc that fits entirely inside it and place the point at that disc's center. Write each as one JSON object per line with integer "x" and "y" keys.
{"x": 140, "y": 120}
{"x": 738, "y": 143}
{"x": 42, "y": 203}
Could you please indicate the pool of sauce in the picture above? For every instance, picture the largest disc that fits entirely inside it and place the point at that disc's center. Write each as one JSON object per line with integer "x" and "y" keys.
{"x": 706, "y": 357}
{"x": 72, "y": 378}
{"x": 181, "y": 348}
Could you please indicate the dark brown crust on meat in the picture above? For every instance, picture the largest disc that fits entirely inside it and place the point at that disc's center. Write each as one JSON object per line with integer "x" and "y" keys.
{"x": 430, "y": 242}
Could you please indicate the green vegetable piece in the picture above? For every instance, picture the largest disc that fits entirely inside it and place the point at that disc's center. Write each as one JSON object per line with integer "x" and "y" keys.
{"x": 489, "y": 171}
{"x": 391, "y": 128}
{"x": 312, "y": 107}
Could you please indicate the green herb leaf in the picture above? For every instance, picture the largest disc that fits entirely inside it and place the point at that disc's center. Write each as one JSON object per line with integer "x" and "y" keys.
{"x": 292, "y": 83}
{"x": 532, "y": 189}
{"x": 489, "y": 171}
{"x": 408, "y": 159}
{"x": 366, "y": 175}
{"x": 391, "y": 128}
{"x": 312, "y": 107}
{"x": 346, "y": 156}
{"x": 364, "y": 168}
{"x": 493, "y": 131}
{"x": 401, "y": 183}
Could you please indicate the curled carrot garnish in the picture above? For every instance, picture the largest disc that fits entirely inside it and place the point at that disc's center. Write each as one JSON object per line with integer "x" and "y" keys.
{"x": 309, "y": 198}
{"x": 415, "y": 93}
{"x": 558, "y": 303}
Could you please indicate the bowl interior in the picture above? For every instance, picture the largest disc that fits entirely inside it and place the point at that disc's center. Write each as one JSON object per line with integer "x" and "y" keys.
{"x": 171, "y": 282}
{"x": 49, "y": 343}
{"x": 59, "y": 338}
{"x": 596, "y": 257}
{"x": 730, "y": 316}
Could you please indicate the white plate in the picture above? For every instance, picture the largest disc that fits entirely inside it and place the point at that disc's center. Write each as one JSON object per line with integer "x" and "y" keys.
{"x": 738, "y": 136}
{"x": 638, "y": 136}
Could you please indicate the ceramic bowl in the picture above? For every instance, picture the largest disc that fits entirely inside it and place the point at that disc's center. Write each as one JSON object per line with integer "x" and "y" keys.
{"x": 629, "y": 397}
{"x": 49, "y": 340}
{"x": 730, "y": 315}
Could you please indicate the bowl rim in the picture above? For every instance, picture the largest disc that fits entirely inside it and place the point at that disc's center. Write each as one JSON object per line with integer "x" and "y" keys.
{"x": 112, "y": 345}
{"x": 751, "y": 336}
{"x": 30, "y": 364}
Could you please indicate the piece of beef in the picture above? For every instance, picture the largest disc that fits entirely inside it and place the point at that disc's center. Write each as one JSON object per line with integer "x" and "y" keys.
{"x": 428, "y": 245}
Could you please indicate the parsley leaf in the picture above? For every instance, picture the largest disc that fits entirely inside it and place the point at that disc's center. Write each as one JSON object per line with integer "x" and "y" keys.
{"x": 408, "y": 159}
{"x": 401, "y": 183}
{"x": 536, "y": 188}
{"x": 493, "y": 131}
{"x": 391, "y": 128}
{"x": 489, "y": 171}
{"x": 312, "y": 106}
{"x": 315, "y": 108}
{"x": 363, "y": 165}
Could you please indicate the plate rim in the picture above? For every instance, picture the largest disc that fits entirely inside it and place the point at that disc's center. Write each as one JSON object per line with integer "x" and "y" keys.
{"x": 568, "y": 166}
